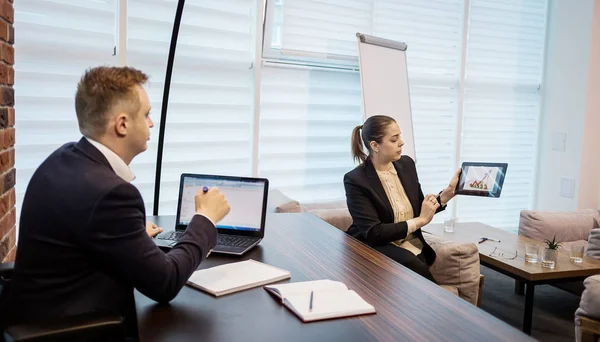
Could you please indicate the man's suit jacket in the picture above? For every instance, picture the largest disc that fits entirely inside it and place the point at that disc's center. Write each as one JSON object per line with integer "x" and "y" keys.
{"x": 83, "y": 245}
{"x": 372, "y": 213}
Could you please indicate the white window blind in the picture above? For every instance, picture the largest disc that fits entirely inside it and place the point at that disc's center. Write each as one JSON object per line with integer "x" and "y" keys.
{"x": 210, "y": 112}
{"x": 307, "y": 114}
{"x": 501, "y": 102}
{"x": 433, "y": 33}
{"x": 210, "y": 108}
{"x": 56, "y": 41}
{"x": 307, "y": 117}
{"x": 322, "y": 27}
{"x": 506, "y": 42}
{"x": 149, "y": 29}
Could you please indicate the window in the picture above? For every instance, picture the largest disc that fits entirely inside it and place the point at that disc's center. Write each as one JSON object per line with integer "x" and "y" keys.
{"x": 452, "y": 58}
{"x": 322, "y": 28}
{"x": 211, "y": 103}
{"x": 149, "y": 28}
{"x": 56, "y": 41}
{"x": 307, "y": 116}
{"x": 502, "y": 102}
{"x": 302, "y": 33}
{"x": 210, "y": 112}
{"x": 475, "y": 74}
{"x": 433, "y": 33}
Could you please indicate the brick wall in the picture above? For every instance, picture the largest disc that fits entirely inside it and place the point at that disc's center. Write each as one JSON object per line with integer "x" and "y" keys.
{"x": 7, "y": 133}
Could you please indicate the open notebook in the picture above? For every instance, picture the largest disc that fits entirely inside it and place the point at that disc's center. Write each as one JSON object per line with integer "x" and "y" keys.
{"x": 234, "y": 277}
{"x": 331, "y": 299}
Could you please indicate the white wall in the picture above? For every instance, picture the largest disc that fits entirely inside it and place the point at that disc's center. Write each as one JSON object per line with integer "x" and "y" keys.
{"x": 589, "y": 195}
{"x": 563, "y": 100}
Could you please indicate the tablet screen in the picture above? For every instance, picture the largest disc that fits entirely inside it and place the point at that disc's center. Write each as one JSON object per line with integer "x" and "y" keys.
{"x": 481, "y": 179}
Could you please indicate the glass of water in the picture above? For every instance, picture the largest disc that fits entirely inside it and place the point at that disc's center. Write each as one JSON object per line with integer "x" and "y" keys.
{"x": 449, "y": 224}
{"x": 549, "y": 258}
{"x": 531, "y": 253}
{"x": 577, "y": 253}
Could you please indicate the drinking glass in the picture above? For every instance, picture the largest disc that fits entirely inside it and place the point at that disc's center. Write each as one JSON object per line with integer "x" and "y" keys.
{"x": 449, "y": 224}
{"x": 577, "y": 253}
{"x": 549, "y": 258}
{"x": 531, "y": 253}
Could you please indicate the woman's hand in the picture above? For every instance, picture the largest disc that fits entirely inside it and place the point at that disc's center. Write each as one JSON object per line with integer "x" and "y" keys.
{"x": 449, "y": 193}
{"x": 428, "y": 209}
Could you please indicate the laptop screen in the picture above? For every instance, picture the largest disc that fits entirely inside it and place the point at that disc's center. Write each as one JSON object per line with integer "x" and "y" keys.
{"x": 245, "y": 198}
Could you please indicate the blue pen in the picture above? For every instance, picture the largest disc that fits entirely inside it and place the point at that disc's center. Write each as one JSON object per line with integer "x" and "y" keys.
{"x": 205, "y": 189}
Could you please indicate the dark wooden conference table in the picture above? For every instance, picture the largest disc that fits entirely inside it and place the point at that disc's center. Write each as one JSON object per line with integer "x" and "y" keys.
{"x": 409, "y": 308}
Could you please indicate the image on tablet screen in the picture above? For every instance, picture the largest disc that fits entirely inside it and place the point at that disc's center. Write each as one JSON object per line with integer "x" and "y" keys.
{"x": 481, "y": 178}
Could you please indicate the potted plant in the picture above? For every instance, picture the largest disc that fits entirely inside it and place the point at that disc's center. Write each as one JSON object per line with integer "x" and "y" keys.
{"x": 550, "y": 253}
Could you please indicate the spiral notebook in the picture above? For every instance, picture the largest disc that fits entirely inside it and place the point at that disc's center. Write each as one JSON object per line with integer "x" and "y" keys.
{"x": 330, "y": 299}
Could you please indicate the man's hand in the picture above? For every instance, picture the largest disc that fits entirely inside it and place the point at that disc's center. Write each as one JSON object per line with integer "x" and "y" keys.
{"x": 212, "y": 204}
{"x": 152, "y": 229}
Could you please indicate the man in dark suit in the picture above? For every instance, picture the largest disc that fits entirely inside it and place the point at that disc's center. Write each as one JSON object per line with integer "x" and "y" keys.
{"x": 83, "y": 245}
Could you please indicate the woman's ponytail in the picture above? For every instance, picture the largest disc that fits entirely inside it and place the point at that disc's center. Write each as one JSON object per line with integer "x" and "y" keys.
{"x": 357, "y": 152}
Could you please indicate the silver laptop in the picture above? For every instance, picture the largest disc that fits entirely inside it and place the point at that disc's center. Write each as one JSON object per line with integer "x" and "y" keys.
{"x": 241, "y": 229}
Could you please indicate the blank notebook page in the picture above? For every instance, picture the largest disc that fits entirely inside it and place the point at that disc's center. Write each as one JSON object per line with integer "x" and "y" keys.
{"x": 325, "y": 285}
{"x": 329, "y": 304}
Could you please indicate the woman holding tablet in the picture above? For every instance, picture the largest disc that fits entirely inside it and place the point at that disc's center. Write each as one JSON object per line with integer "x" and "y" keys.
{"x": 385, "y": 199}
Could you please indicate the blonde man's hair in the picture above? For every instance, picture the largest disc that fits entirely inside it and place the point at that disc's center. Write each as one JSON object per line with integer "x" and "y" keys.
{"x": 100, "y": 91}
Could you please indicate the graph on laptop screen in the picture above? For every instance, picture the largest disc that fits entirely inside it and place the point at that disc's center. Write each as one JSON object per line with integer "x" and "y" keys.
{"x": 245, "y": 199}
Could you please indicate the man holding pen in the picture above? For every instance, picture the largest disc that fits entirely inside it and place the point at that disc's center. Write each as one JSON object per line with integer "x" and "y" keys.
{"x": 83, "y": 241}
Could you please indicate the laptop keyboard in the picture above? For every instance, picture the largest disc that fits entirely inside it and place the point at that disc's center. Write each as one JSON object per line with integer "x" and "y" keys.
{"x": 222, "y": 240}
{"x": 234, "y": 241}
{"x": 172, "y": 235}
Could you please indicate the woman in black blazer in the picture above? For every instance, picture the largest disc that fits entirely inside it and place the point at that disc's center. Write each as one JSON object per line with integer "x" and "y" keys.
{"x": 385, "y": 199}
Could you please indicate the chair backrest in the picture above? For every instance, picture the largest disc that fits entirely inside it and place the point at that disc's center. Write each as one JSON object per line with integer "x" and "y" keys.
{"x": 565, "y": 225}
{"x": 6, "y": 271}
{"x": 95, "y": 326}
{"x": 593, "y": 249}
{"x": 278, "y": 202}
